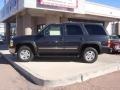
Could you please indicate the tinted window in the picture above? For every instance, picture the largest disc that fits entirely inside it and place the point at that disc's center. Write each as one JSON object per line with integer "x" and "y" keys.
{"x": 54, "y": 30}
{"x": 119, "y": 36}
{"x": 95, "y": 29}
{"x": 74, "y": 30}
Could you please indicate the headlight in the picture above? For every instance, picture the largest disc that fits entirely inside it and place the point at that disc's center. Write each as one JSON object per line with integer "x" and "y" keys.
{"x": 11, "y": 43}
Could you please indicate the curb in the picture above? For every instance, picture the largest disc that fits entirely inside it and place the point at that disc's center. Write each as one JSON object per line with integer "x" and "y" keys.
{"x": 42, "y": 82}
{"x": 65, "y": 81}
{"x": 23, "y": 72}
{"x": 103, "y": 71}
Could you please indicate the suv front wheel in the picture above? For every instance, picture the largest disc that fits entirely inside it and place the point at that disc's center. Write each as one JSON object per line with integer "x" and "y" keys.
{"x": 25, "y": 54}
{"x": 89, "y": 55}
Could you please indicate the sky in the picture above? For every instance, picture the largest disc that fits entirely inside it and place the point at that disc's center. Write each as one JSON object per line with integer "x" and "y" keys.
{"x": 1, "y": 3}
{"x": 115, "y": 3}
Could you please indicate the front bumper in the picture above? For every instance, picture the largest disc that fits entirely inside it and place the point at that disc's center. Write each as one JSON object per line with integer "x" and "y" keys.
{"x": 106, "y": 50}
{"x": 115, "y": 50}
{"x": 12, "y": 50}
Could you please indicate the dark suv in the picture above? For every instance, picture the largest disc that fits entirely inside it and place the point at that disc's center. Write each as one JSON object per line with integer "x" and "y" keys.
{"x": 80, "y": 39}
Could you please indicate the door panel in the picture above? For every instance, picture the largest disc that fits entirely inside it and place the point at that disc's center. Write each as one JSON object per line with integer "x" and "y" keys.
{"x": 73, "y": 38}
{"x": 72, "y": 43}
{"x": 52, "y": 42}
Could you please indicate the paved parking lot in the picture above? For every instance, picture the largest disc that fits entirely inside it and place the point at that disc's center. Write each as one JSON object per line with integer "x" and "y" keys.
{"x": 12, "y": 80}
{"x": 9, "y": 78}
{"x": 57, "y": 72}
{"x": 105, "y": 82}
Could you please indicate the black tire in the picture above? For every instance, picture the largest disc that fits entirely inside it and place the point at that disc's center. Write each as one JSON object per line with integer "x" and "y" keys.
{"x": 92, "y": 51}
{"x": 25, "y": 58}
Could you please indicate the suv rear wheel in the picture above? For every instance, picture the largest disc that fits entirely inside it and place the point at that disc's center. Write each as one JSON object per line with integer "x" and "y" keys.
{"x": 25, "y": 54}
{"x": 89, "y": 55}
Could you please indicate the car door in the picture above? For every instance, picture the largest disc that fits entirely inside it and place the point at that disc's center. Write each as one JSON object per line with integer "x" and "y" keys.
{"x": 74, "y": 36}
{"x": 51, "y": 42}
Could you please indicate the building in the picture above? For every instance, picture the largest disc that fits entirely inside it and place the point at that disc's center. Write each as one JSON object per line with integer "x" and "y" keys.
{"x": 2, "y": 29}
{"x": 29, "y": 16}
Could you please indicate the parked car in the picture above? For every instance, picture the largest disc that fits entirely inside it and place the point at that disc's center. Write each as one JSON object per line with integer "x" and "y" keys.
{"x": 2, "y": 39}
{"x": 114, "y": 43}
{"x": 118, "y": 36}
{"x": 80, "y": 39}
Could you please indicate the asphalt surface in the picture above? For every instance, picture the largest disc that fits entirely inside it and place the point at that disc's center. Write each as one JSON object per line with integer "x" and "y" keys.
{"x": 10, "y": 79}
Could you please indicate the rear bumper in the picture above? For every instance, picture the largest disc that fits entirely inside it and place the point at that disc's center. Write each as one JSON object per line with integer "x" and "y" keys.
{"x": 106, "y": 50}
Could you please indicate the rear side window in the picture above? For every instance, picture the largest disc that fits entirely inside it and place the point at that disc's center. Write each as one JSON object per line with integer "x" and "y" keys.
{"x": 74, "y": 30}
{"x": 95, "y": 29}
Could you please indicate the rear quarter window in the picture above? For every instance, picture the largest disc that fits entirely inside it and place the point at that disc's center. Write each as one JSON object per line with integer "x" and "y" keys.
{"x": 95, "y": 29}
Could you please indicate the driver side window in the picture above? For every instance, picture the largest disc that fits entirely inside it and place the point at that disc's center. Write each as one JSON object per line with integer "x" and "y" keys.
{"x": 53, "y": 30}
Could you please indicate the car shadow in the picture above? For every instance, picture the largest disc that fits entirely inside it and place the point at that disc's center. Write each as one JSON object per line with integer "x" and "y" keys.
{"x": 56, "y": 59}
{"x": 118, "y": 53}
{"x": 46, "y": 59}
{"x": 2, "y": 60}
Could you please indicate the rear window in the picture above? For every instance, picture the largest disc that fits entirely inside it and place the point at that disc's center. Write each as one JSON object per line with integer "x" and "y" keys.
{"x": 95, "y": 29}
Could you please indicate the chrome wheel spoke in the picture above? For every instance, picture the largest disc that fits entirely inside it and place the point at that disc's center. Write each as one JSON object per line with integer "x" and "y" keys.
{"x": 25, "y": 54}
{"x": 89, "y": 55}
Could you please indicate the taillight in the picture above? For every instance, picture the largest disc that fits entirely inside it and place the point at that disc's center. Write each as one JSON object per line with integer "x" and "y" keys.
{"x": 109, "y": 43}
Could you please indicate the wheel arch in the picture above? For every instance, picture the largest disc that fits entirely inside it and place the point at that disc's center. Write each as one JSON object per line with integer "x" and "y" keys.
{"x": 96, "y": 46}
{"x": 30, "y": 45}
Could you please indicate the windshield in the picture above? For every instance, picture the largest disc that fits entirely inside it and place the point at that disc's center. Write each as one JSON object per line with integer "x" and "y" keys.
{"x": 41, "y": 32}
{"x": 41, "y": 27}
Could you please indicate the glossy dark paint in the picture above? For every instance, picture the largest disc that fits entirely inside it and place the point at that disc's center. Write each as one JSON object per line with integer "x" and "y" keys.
{"x": 64, "y": 44}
